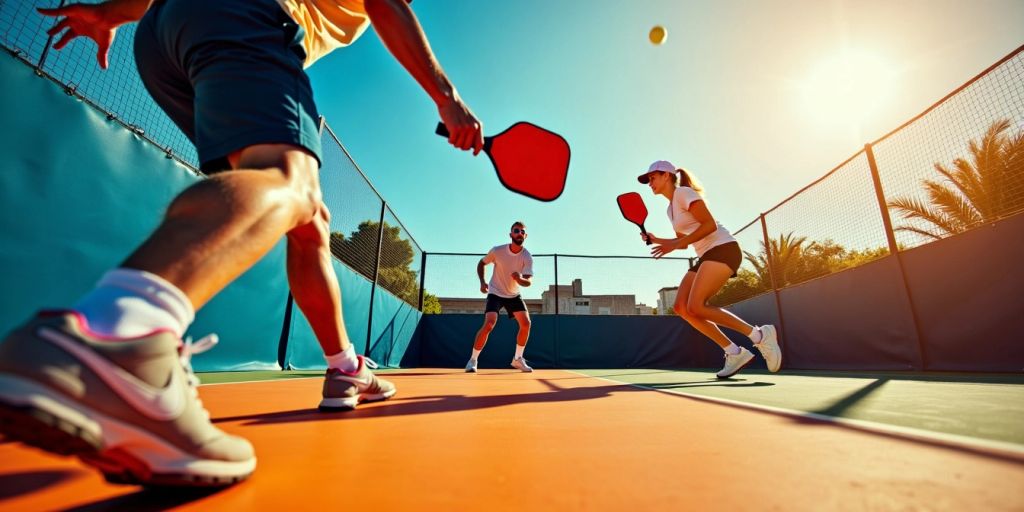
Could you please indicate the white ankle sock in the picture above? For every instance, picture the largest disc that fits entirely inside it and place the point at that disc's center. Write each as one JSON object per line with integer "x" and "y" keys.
{"x": 519, "y": 351}
{"x": 346, "y": 360}
{"x": 755, "y": 335}
{"x": 476, "y": 354}
{"x": 129, "y": 303}
{"x": 732, "y": 349}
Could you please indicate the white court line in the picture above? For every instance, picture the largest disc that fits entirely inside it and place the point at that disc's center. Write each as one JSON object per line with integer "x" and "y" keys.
{"x": 953, "y": 440}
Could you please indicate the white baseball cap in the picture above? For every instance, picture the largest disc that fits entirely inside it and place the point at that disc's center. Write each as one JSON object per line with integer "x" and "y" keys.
{"x": 660, "y": 165}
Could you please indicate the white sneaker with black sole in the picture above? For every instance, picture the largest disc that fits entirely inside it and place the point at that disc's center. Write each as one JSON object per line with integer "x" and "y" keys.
{"x": 735, "y": 363}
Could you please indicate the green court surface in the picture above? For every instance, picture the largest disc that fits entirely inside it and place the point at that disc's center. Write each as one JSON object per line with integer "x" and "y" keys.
{"x": 981, "y": 406}
{"x": 988, "y": 407}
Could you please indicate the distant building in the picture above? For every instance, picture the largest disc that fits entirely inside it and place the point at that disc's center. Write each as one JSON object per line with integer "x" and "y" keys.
{"x": 462, "y": 305}
{"x": 643, "y": 309}
{"x": 572, "y": 301}
{"x": 667, "y": 300}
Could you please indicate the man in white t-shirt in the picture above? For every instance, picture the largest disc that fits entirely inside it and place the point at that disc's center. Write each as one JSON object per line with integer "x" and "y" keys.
{"x": 513, "y": 267}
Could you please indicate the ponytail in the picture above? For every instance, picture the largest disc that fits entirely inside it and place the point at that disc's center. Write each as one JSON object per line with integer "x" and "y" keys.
{"x": 685, "y": 178}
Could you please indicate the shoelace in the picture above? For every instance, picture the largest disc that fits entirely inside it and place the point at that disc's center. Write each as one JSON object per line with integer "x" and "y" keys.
{"x": 370, "y": 363}
{"x": 188, "y": 349}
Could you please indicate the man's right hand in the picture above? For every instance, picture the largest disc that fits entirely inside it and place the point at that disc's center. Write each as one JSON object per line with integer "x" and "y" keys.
{"x": 483, "y": 288}
{"x": 96, "y": 21}
{"x": 464, "y": 129}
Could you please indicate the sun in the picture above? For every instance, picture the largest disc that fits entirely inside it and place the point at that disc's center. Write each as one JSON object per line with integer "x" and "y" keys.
{"x": 849, "y": 88}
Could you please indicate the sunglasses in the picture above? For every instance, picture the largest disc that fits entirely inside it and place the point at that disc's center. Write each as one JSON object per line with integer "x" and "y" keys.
{"x": 518, "y": 231}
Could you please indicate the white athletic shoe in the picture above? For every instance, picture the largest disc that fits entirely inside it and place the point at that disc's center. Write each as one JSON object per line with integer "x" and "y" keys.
{"x": 520, "y": 363}
{"x": 471, "y": 366}
{"x": 735, "y": 363}
{"x": 769, "y": 348}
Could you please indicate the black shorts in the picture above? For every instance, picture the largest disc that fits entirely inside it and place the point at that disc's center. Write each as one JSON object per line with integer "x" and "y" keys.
{"x": 511, "y": 305}
{"x": 728, "y": 253}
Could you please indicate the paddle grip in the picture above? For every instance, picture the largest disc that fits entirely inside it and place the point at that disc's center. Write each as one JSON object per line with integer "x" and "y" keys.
{"x": 647, "y": 238}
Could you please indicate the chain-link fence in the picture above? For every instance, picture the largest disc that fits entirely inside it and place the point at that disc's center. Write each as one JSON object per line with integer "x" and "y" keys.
{"x": 562, "y": 284}
{"x": 117, "y": 90}
{"x": 388, "y": 257}
{"x": 956, "y": 166}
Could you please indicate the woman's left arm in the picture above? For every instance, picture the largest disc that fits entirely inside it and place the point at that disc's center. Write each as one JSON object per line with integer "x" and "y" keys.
{"x": 707, "y": 226}
{"x": 700, "y": 212}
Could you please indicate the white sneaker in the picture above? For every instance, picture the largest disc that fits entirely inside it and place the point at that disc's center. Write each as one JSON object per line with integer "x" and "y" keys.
{"x": 520, "y": 363}
{"x": 769, "y": 348}
{"x": 735, "y": 363}
{"x": 471, "y": 366}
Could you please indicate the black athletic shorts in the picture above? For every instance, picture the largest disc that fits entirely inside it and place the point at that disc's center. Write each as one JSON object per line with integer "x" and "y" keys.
{"x": 511, "y": 305}
{"x": 728, "y": 253}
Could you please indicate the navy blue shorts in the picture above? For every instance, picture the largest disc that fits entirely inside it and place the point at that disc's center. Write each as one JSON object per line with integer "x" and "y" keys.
{"x": 229, "y": 74}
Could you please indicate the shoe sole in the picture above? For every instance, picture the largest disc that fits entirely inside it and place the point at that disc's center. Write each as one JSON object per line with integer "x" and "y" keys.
{"x": 350, "y": 403}
{"x": 741, "y": 367}
{"x": 35, "y": 416}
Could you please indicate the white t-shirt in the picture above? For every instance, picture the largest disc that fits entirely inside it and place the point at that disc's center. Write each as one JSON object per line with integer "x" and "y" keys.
{"x": 505, "y": 263}
{"x": 684, "y": 222}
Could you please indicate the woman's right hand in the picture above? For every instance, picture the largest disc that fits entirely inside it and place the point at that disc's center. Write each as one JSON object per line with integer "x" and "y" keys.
{"x": 651, "y": 238}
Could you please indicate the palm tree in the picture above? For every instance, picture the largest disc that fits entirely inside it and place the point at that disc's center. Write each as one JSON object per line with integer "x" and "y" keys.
{"x": 987, "y": 188}
{"x": 786, "y": 254}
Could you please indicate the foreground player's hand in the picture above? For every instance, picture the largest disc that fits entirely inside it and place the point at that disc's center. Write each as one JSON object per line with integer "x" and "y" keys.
{"x": 95, "y": 21}
{"x": 464, "y": 129}
{"x": 516, "y": 276}
{"x": 483, "y": 287}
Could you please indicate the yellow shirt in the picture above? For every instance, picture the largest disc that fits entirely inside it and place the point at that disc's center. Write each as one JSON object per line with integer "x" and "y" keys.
{"x": 329, "y": 24}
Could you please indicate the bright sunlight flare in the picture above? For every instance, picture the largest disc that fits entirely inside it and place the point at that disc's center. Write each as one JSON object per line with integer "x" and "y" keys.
{"x": 848, "y": 88}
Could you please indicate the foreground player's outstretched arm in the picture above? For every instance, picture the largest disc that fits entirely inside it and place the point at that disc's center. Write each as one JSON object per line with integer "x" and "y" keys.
{"x": 98, "y": 22}
{"x": 401, "y": 33}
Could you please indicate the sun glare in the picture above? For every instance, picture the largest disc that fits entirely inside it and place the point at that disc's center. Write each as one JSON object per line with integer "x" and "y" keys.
{"x": 848, "y": 89}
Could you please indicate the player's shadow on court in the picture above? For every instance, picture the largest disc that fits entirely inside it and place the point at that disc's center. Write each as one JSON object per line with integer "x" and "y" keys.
{"x": 437, "y": 404}
{"x": 145, "y": 500}
{"x": 24, "y": 482}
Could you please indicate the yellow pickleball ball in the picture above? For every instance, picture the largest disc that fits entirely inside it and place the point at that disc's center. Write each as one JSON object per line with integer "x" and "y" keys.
{"x": 658, "y": 35}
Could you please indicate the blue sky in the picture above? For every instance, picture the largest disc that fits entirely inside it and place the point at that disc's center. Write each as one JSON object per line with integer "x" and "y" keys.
{"x": 742, "y": 92}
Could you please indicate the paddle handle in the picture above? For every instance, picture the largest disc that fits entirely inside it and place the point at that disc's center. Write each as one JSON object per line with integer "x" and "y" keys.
{"x": 647, "y": 238}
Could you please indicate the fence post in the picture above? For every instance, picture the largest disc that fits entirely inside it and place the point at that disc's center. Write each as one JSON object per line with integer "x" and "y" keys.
{"x": 890, "y": 235}
{"x": 423, "y": 276}
{"x": 376, "y": 270}
{"x": 894, "y": 250}
{"x": 556, "y": 285}
{"x": 555, "y": 337}
{"x": 771, "y": 273}
{"x": 46, "y": 49}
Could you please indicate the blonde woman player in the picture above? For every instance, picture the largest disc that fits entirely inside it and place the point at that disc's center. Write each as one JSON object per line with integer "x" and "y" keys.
{"x": 719, "y": 257}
